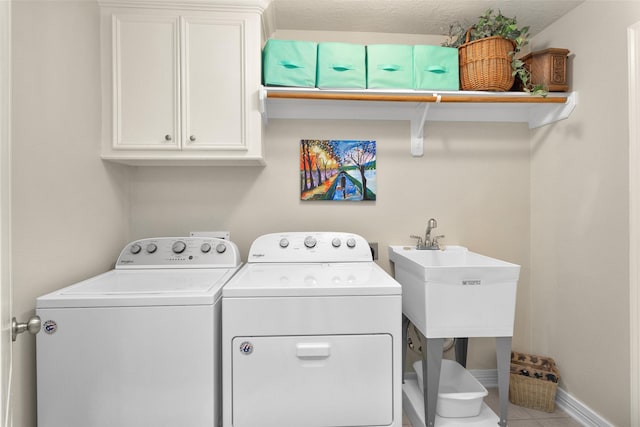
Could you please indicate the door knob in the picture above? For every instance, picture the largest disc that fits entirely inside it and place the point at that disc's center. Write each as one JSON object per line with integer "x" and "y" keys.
{"x": 32, "y": 326}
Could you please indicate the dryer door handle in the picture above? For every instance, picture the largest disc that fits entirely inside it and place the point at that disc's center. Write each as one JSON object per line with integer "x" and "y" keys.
{"x": 320, "y": 350}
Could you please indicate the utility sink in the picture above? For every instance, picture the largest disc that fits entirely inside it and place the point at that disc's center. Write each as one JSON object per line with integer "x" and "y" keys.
{"x": 455, "y": 292}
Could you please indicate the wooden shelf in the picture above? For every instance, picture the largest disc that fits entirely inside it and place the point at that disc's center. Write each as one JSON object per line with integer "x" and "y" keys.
{"x": 415, "y": 106}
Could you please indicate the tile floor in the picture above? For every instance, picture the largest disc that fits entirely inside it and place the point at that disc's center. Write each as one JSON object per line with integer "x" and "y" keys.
{"x": 518, "y": 416}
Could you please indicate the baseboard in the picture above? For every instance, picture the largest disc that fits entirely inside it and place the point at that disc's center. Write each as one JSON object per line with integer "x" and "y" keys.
{"x": 579, "y": 411}
{"x": 569, "y": 404}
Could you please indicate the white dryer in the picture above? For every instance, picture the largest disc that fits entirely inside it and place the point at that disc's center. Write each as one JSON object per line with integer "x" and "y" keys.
{"x": 311, "y": 335}
{"x": 138, "y": 345}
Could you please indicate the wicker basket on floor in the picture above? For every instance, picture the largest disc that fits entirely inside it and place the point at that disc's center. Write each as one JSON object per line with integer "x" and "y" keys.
{"x": 533, "y": 381}
{"x": 485, "y": 64}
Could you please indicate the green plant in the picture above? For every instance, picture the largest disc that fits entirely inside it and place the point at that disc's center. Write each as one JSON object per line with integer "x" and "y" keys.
{"x": 490, "y": 24}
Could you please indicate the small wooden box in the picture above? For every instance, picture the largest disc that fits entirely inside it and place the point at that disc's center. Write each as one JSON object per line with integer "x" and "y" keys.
{"x": 549, "y": 68}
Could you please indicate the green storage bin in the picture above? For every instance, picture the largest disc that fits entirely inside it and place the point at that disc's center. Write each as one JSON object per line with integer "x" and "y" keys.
{"x": 389, "y": 66}
{"x": 341, "y": 65}
{"x": 289, "y": 63}
{"x": 435, "y": 67}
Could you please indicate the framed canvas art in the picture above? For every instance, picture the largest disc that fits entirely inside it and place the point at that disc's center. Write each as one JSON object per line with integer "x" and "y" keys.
{"x": 341, "y": 170}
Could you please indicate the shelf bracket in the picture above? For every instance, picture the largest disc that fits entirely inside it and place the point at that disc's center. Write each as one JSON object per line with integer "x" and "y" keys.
{"x": 542, "y": 117}
{"x": 418, "y": 119}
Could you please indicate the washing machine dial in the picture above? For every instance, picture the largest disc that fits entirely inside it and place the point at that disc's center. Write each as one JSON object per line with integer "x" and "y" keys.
{"x": 336, "y": 242}
{"x": 284, "y": 242}
{"x": 310, "y": 242}
{"x": 151, "y": 248}
{"x": 178, "y": 247}
{"x": 221, "y": 247}
{"x": 351, "y": 242}
{"x": 205, "y": 248}
{"x": 135, "y": 249}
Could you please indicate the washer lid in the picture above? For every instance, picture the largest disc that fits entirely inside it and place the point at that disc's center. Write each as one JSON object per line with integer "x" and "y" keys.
{"x": 122, "y": 288}
{"x": 322, "y": 279}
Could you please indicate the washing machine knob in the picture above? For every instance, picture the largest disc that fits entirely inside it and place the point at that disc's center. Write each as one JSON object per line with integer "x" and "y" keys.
{"x": 151, "y": 248}
{"x": 178, "y": 247}
{"x": 220, "y": 248}
{"x": 284, "y": 242}
{"x": 310, "y": 242}
{"x": 135, "y": 249}
{"x": 205, "y": 248}
{"x": 351, "y": 242}
{"x": 336, "y": 242}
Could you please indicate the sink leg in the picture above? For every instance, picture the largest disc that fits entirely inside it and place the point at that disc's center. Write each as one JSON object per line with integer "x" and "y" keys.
{"x": 503, "y": 352}
{"x": 431, "y": 364}
{"x": 461, "y": 346}
{"x": 405, "y": 335}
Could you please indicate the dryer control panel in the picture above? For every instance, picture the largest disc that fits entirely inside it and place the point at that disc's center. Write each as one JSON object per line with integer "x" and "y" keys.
{"x": 305, "y": 247}
{"x": 179, "y": 252}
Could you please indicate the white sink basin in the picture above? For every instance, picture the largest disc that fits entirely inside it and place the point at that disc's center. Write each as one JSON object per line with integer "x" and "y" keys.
{"x": 456, "y": 292}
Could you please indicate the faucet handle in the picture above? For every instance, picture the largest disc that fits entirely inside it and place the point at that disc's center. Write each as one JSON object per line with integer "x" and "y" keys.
{"x": 413, "y": 236}
{"x": 434, "y": 241}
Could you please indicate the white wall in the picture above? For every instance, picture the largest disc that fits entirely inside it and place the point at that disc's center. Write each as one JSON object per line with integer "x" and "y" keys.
{"x": 70, "y": 210}
{"x": 474, "y": 178}
{"x": 579, "y": 220}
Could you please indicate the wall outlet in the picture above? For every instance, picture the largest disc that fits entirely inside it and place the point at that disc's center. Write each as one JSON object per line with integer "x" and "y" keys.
{"x": 374, "y": 249}
{"x": 217, "y": 234}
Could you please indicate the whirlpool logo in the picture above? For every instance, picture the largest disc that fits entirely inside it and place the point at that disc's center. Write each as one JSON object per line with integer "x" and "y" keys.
{"x": 50, "y": 327}
{"x": 246, "y": 348}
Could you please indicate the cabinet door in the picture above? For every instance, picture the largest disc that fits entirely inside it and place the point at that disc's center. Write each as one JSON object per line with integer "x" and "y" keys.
{"x": 146, "y": 82}
{"x": 214, "y": 110}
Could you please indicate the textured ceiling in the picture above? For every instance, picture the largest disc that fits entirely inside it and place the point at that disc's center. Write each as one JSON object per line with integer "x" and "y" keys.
{"x": 410, "y": 16}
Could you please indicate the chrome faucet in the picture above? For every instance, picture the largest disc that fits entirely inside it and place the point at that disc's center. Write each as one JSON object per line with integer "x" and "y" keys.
{"x": 429, "y": 243}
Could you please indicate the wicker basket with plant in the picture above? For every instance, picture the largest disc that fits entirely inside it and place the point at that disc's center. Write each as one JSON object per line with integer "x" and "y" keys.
{"x": 487, "y": 53}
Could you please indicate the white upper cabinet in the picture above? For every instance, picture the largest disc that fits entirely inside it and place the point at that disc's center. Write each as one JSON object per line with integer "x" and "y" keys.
{"x": 146, "y": 95}
{"x": 181, "y": 86}
{"x": 213, "y": 114}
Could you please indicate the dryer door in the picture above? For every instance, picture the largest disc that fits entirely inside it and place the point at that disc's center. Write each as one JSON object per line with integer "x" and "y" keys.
{"x": 293, "y": 381}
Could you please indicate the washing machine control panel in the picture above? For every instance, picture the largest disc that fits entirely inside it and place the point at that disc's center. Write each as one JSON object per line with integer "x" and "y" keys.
{"x": 179, "y": 252}
{"x": 310, "y": 247}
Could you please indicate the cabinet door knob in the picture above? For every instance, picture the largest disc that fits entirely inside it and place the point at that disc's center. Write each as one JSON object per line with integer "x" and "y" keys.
{"x": 192, "y": 138}
{"x": 167, "y": 137}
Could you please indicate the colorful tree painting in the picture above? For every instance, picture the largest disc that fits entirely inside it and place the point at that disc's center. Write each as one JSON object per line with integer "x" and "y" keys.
{"x": 337, "y": 170}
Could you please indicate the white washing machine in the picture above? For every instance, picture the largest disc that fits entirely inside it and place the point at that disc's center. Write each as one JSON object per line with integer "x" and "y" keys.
{"x": 138, "y": 346}
{"x": 311, "y": 335}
